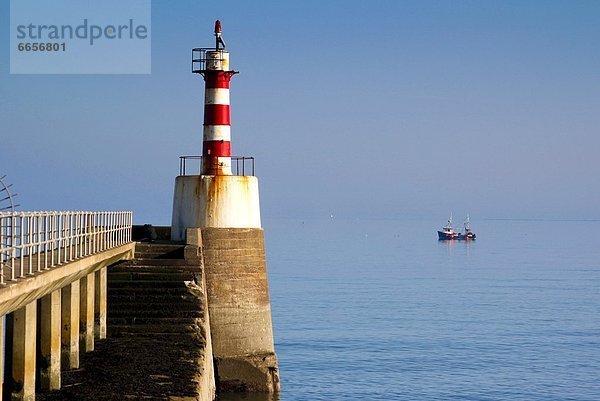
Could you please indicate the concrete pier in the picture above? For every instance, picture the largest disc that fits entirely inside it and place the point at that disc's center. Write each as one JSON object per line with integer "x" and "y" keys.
{"x": 20, "y": 356}
{"x": 87, "y": 292}
{"x": 70, "y": 326}
{"x": 100, "y": 304}
{"x": 180, "y": 319}
{"x": 50, "y": 296}
{"x": 50, "y": 341}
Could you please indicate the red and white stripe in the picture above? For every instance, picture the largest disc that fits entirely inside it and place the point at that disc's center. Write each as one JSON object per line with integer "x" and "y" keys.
{"x": 217, "y": 123}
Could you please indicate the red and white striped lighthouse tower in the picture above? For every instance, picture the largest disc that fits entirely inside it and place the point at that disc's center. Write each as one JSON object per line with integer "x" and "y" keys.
{"x": 216, "y": 148}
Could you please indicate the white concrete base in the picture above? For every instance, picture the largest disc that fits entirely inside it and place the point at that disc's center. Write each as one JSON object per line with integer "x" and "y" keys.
{"x": 219, "y": 201}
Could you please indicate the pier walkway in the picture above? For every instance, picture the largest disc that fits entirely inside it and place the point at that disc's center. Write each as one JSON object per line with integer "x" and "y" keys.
{"x": 53, "y": 299}
{"x": 156, "y": 342}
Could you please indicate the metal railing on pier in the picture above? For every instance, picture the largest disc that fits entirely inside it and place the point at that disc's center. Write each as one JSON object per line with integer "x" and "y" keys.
{"x": 31, "y": 242}
{"x": 240, "y": 165}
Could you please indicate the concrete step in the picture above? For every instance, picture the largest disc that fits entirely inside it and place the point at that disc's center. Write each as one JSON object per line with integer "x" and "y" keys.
{"x": 152, "y": 329}
{"x": 186, "y": 340}
{"x": 158, "y": 251}
{"x": 157, "y": 314}
{"x": 154, "y": 262}
{"x": 148, "y": 297}
{"x": 154, "y": 269}
{"x": 135, "y": 313}
{"x": 154, "y": 276}
{"x": 159, "y": 255}
{"x": 148, "y": 320}
{"x": 151, "y": 298}
{"x": 145, "y": 284}
{"x": 148, "y": 291}
{"x": 144, "y": 246}
{"x": 142, "y": 332}
{"x": 179, "y": 306}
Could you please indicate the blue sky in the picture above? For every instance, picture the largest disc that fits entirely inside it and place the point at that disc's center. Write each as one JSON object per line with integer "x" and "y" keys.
{"x": 356, "y": 108}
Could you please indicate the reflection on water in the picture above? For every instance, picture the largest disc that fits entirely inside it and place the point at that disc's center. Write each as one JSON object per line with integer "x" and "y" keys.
{"x": 248, "y": 397}
{"x": 462, "y": 246}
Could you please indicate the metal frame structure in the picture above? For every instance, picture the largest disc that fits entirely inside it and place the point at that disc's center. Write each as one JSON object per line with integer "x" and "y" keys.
{"x": 6, "y": 195}
{"x": 31, "y": 242}
{"x": 240, "y": 165}
{"x": 199, "y": 58}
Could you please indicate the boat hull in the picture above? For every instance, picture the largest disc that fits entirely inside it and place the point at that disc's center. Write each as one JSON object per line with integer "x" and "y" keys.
{"x": 444, "y": 236}
{"x": 459, "y": 237}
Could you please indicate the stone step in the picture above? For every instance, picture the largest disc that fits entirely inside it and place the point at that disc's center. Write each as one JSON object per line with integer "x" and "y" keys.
{"x": 161, "y": 250}
{"x": 138, "y": 329}
{"x": 154, "y": 262}
{"x": 154, "y": 276}
{"x": 158, "y": 251}
{"x": 182, "y": 336}
{"x": 150, "y": 298}
{"x": 148, "y": 320}
{"x": 159, "y": 255}
{"x": 136, "y": 315}
{"x": 139, "y": 311}
{"x": 150, "y": 341}
{"x": 145, "y": 284}
{"x": 144, "y": 246}
{"x": 154, "y": 269}
{"x": 147, "y": 291}
{"x": 158, "y": 305}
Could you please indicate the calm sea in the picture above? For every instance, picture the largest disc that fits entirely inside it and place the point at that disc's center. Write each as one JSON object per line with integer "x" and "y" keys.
{"x": 380, "y": 310}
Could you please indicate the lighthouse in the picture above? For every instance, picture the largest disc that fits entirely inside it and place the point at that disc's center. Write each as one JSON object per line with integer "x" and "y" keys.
{"x": 225, "y": 193}
{"x": 218, "y": 193}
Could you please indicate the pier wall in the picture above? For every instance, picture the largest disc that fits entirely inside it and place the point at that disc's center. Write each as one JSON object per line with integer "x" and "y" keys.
{"x": 194, "y": 256}
{"x": 240, "y": 309}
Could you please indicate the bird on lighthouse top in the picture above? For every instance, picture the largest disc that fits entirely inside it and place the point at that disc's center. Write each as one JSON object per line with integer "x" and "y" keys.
{"x": 218, "y": 37}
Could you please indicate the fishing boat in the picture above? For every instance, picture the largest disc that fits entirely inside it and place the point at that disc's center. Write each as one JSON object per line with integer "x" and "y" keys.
{"x": 448, "y": 232}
